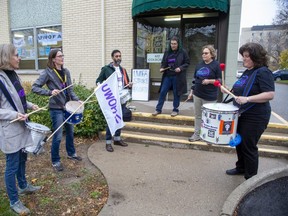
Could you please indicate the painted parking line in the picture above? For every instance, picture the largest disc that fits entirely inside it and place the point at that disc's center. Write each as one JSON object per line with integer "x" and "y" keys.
{"x": 279, "y": 118}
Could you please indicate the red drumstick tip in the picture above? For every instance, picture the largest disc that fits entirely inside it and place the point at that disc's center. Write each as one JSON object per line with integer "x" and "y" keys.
{"x": 217, "y": 83}
{"x": 222, "y": 66}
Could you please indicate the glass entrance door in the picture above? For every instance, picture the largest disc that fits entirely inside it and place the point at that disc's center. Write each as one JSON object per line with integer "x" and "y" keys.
{"x": 196, "y": 34}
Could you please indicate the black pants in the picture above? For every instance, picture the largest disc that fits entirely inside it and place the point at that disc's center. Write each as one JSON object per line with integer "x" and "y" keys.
{"x": 247, "y": 151}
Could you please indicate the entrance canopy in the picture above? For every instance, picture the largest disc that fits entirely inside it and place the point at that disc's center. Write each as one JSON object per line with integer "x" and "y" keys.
{"x": 141, "y": 6}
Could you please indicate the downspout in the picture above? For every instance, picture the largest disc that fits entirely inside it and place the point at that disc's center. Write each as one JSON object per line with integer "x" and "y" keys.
{"x": 103, "y": 31}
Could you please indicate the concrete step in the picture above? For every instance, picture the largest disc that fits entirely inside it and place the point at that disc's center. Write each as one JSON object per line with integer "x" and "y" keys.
{"x": 189, "y": 120}
{"x": 182, "y": 142}
{"x": 168, "y": 131}
{"x": 277, "y": 139}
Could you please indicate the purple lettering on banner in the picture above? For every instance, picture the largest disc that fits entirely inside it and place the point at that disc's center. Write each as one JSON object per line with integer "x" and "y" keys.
{"x": 112, "y": 102}
{"x": 116, "y": 118}
{"x": 114, "y": 108}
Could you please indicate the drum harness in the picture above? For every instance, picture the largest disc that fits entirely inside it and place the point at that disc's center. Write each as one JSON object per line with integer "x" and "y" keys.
{"x": 245, "y": 107}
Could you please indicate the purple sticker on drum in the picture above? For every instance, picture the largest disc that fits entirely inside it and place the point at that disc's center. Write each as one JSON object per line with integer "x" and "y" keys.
{"x": 212, "y": 116}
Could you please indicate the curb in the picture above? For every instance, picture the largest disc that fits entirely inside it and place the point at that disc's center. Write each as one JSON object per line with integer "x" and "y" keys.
{"x": 242, "y": 190}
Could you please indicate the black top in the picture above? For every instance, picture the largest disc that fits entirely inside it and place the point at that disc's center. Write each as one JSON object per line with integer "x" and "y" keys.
{"x": 206, "y": 71}
{"x": 264, "y": 82}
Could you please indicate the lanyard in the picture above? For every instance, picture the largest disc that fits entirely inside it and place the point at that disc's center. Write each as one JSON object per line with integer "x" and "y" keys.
{"x": 63, "y": 81}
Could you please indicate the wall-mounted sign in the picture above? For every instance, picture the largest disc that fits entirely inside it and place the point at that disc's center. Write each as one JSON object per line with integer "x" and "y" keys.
{"x": 140, "y": 88}
{"x": 49, "y": 38}
{"x": 154, "y": 57}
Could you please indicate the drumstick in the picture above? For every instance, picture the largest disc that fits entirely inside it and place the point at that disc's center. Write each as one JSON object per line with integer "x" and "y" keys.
{"x": 218, "y": 84}
{"x": 127, "y": 85}
{"x": 165, "y": 69}
{"x": 222, "y": 66}
{"x": 183, "y": 103}
{"x": 62, "y": 90}
{"x": 17, "y": 119}
{"x": 71, "y": 115}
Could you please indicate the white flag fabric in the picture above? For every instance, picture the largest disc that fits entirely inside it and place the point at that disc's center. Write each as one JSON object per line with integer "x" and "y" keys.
{"x": 107, "y": 95}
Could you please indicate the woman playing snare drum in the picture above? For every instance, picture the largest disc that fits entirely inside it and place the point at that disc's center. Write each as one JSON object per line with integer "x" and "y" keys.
{"x": 255, "y": 88}
{"x": 203, "y": 90}
{"x": 14, "y": 136}
{"x": 56, "y": 77}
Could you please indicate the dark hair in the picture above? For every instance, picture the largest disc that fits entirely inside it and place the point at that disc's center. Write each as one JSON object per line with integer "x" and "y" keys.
{"x": 256, "y": 52}
{"x": 51, "y": 56}
{"x": 175, "y": 38}
{"x": 115, "y": 51}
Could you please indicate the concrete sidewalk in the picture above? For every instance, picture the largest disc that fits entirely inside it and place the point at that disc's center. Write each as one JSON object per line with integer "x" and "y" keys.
{"x": 152, "y": 180}
{"x": 147, "y": 180}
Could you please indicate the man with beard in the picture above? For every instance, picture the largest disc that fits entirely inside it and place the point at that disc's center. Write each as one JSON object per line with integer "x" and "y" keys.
{"x": 123, "y": 81}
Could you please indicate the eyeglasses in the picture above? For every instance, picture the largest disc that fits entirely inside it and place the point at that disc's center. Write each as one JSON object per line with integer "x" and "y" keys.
{"x": 17, "y": 55}
{"x": 117, "y": 56}
{"x": 205, "y": 53}
{"x": 60, "y": 56}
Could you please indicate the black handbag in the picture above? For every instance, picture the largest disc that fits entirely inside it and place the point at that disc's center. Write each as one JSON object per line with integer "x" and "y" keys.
{"x": 126, "y": 113}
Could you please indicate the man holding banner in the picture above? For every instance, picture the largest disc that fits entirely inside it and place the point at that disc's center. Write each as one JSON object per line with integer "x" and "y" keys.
{"x": 112, "y": 79}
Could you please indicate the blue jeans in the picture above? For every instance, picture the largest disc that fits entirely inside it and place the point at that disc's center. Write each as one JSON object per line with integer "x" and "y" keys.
{"x": 117, "y": 132}
{"x": 167, "y": 83}
{"x": 109, "y": 135}
{"x": 15, "y": 165}
{"x": 57, "y": 117}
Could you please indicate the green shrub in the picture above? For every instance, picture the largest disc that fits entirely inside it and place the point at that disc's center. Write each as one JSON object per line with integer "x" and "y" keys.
{"x": 93, "y": 119}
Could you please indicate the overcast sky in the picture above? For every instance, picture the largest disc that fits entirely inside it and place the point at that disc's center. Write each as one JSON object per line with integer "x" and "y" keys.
{"x": 257, "y": 12}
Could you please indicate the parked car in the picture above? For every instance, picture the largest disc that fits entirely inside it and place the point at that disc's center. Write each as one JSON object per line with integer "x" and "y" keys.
{"x": 280, "y": 75}
{"x": 239, "y": 73}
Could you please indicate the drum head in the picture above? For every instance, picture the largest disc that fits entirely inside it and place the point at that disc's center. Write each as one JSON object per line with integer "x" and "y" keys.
{"x": 37, "y": 127}
{"x": 71, "y": 106}
{"x": 220, "y": 107}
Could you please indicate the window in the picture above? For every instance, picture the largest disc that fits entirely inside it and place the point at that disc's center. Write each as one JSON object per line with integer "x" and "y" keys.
{"x": 23, "y": 40}
{"x": 34, "y": 45}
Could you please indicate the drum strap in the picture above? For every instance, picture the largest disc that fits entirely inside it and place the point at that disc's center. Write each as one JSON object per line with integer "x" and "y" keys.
{"x": 246, "y": 91}
{"x": 7, "y": 95}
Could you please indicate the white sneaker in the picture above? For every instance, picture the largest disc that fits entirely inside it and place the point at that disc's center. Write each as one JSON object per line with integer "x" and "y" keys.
{"x": 29, "y": 189}
{"x": 19, "y": 208}
{"x": 194, "y": 137}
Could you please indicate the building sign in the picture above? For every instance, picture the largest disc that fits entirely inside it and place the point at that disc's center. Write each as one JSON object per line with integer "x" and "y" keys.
{"x": 140, "y": 88}
{"x": 50, "y": 38}
{"x": 154, "y": 57}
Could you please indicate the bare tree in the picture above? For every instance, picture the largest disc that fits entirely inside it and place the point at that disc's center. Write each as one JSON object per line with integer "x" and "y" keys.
{"x": 281, "y": 17}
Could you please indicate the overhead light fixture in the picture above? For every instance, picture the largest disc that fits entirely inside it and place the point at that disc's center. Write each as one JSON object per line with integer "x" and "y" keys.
{"x": 49, "y": 30}
{"x": 200, "y": 15}
{"x": 19, "y": 35}
{"x": 172, "y": 19}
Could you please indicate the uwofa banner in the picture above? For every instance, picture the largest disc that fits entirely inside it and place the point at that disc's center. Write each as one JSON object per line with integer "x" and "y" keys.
{"x": 107, "y": 95}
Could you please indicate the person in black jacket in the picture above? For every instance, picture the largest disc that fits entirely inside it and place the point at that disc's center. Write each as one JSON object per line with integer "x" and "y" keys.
{"x": 173, "y": 66}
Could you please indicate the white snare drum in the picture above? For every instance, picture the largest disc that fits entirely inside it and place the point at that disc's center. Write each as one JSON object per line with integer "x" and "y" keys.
{"x": 38, "y": 133}
{"x": 219, "y": 123}
{"x": 70, "y": 107}
{"x": 124, "y": 96}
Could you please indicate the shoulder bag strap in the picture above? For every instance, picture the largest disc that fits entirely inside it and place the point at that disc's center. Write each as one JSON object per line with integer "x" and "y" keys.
{"x": 7, "y": 95}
